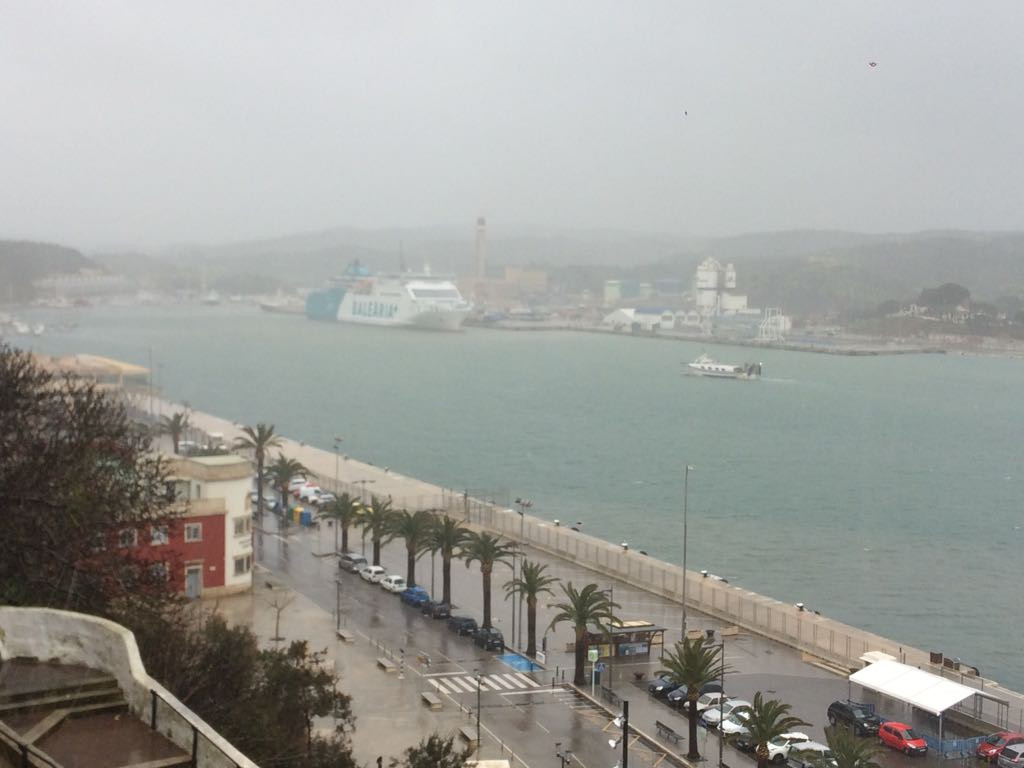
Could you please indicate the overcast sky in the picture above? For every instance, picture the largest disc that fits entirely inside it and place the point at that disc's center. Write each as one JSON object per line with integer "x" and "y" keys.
{"x": 156, "y": 122}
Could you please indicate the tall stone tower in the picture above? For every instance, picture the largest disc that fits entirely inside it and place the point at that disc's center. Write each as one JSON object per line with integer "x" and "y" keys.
{"x": 481, "y": 248}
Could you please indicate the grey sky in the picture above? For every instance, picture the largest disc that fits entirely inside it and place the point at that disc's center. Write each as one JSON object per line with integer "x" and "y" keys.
{"x": 154, "y": 122}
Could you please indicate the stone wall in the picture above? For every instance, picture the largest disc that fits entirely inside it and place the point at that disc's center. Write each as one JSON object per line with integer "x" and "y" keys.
{"x": 76, "y": 638}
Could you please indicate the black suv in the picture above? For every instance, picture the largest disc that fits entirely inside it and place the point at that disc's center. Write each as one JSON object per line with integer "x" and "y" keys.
{"x": 490, "y": 639}
{"x": 462, "y": 625}
{"x": 860, "y": 717}
{"x": 436, "y": 610}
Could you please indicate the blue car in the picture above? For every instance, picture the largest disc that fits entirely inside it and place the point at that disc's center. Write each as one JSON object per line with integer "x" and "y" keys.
{"x": 415, "y": 596}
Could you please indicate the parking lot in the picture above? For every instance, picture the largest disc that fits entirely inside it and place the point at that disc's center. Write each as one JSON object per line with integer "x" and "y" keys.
{"x": 523, "y": 708}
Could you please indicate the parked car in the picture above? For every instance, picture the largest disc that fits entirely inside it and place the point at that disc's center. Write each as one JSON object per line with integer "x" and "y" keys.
{"x": 711, "y": 716}
{"x": 810, "y": 754}
{"x": 489, "y": 638}
{"x": 351, "y": 562}
{"x": 1012, "y": 756}
{"x": 393, "y": 583}
{"x": 992, "y": 747}
{"x": 324, "y": 499}
{"x": 373, "y": 574}
{"x": 416, "y": 596}
{"x": 295, "y": 483}
{"x": 735, "y": 724}
{"x": 661, "y": 687}
{"x": 462, "y": 625}
{"x": 308, "y": 492}
{"x": 779, "y": 747}
{"x": 677, "y": 698}
{"x": 436, "y": 610}
{"x": 902, "y": 737}
{"x": 855, "y": 715}
{"x": 711, "y": 700}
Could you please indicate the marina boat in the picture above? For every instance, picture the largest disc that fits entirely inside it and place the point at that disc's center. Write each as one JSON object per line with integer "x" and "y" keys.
{"x": 406, "y": 299}
{"x": 706, "y": 366}
{"x": 283, "y": 306}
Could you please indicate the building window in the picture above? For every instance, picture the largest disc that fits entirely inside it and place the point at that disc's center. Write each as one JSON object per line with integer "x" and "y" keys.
{"x": 159, "y": 571}
{"x": 158, "y": 535}
{"x": 128, "y": 537}
{"x": 193, "y": 531}
{"x": 243, "y": 525}
{"x": 243, "y": 565}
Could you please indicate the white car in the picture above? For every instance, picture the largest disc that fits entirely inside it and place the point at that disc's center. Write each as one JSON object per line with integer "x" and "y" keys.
{"x": 324, "y": 499}
{"x": 310, "y": 494}
{"x": 711, "y": 700}
{"x": 778, "y": 748}
{"x": 295, "y": 483}
{"x": 711, "y": 716}
{"x": 394, "y": 584}
{"x": 373, "y": 573}
{"x": 736, "y": 723}
{"x": 812, "y": 752}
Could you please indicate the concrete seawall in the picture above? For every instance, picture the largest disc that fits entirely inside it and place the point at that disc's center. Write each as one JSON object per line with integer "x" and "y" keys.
{"x": 835, "y": 643}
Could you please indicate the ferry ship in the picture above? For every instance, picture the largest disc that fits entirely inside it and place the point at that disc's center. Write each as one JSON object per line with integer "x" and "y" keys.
{"x": 707, "y": 366}
{"x": 407, "y": 299}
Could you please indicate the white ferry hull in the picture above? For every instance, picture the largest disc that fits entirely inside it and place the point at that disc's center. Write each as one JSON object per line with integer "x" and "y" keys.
{"x": 392, "y": 303}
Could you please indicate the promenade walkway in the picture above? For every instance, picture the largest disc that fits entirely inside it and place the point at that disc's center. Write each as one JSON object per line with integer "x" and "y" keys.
{"x": 766, "y": 654}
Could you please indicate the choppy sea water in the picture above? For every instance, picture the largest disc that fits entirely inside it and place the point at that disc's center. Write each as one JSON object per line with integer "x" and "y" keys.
{"x": 887, "y": 492}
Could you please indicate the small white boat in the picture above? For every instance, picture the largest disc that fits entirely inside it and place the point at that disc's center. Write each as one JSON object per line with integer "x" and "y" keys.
{"x": 707, "y": 366}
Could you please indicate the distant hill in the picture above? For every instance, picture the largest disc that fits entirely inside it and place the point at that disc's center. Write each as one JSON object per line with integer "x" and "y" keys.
{"x": 22, "y": 261}
{"x": 849, "y": 275}
{"x": 806, "y": 272}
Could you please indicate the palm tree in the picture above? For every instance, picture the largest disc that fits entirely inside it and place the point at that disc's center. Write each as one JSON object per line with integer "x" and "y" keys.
{"x": 486, "y": 549}
{"x": 531, "y": 582}
{"x": 376, "y": 519}
{"x": 414, "y": 528}
{"x": 344, "y": 511}
{"x": 433, "y": 752}
{"x": 281, "y": 471}
{"x": 584, "y": 607}
{"x": 769, "y": 718}
{"x": 175, "y": 426}
{"x": 259, "y": 440}
{"x": 849, "y": 751}
{"x": 447, "y": 536}
{"x": 693, "y": 664}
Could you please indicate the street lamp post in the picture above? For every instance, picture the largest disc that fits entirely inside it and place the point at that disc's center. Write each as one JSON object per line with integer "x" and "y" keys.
{"x": 479, "y": 746}
{"x": 565, "y": 755}
{"x": 523, "y": 504}
{"x": 337, "y": 447}
{"x": 721, "y": 706}
{"x": 686, "y": 484}
{"x": 337, "y": 604}
{"x": 622, "y": 721}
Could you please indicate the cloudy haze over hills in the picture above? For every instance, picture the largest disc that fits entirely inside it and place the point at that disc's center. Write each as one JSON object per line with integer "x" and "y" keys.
{"x": 144, "y": 124}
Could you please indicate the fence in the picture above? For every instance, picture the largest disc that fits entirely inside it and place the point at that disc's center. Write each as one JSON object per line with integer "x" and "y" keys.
{"x": 830, "y": 640}
{"x": 206, "y": 753}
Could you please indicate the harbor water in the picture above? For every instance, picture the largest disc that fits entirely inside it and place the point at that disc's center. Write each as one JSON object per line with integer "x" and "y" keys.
{"x": 886, "y": 492}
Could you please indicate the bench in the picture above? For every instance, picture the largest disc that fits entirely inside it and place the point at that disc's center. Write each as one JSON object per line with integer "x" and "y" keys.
{"x": 431, "y": 699}
{"x": 386, "y": 664}
{"x": 469, "y": 734}
{"x": 346, "y": 635}
{"x": 667, "y": 732}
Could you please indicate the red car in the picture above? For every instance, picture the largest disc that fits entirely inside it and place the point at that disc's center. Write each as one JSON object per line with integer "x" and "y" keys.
{"x": 902, "y": 737}
{"x": 990, "y": 748}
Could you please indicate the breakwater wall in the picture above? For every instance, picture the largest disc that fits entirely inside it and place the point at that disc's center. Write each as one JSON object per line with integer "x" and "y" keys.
{"x": 822, "y": 637}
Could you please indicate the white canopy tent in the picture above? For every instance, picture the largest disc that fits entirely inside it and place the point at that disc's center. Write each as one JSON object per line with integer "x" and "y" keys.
{"x": 912, "y": 685}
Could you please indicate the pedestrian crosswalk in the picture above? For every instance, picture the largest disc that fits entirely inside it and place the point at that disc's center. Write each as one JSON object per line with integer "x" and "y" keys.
{"x": 457, "y": 684}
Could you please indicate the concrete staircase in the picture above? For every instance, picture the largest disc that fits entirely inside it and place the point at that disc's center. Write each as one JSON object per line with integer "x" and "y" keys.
{"x": 75, "y": 716}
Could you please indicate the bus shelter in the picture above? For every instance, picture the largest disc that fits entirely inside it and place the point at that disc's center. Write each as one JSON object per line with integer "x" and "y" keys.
{"x": 627, "y": 638}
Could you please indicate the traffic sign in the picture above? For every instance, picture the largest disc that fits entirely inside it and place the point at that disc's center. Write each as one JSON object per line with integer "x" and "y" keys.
{"x": 593, "y": 654}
